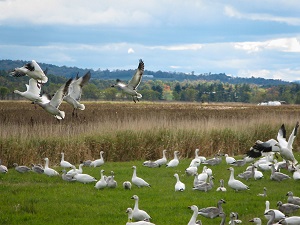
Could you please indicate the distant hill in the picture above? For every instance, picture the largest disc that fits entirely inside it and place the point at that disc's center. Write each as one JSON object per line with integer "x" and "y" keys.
{"x": 8, "y": 65}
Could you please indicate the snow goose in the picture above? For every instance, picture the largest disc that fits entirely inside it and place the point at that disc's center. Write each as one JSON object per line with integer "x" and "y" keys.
{"x": 133, "y": 84}
{"x": 264, "y": 194}
{"x": 63, "y": 163}
{"x": 205, "y": 186}
{"x": 32, "y": 92}
{"x": 234, "y": 218}
{"x": 111, "y": 183}
{"x": 212, "y": 212}
{"x": 257, "y": 174}
{"x": 221, "y": 187}
{"x": 256, "y": 221}
{"x": 137, "y": 180}
{"x": 163, "y": 160}
{"x": 229, "y": 159}
{"x": 213, "y": 161}
{"x": 98, "y": 162}
{"x": 74, "y": 92}
{"x": 67, "y": 177}
{"x": 261, "y": 147}
{"x": 138, "y": 214}
{"x": 21, "y": 169}
{"x": 278, "y": 176}
{"x": 102, "y": 182}
{"x": 3, "y": 169}
{"x": 129, "y": 211}
{"x": 32, "y": 70}
{"x": 239, "y": 162}
{"x": 196, "y": 181}
{"x": 49, "y": 171}
{"x": 293, "y": 199}
{"x": 247, "y": 174}
{"x": 175, "y": 161}
{"x": 271, "y": 217}
{"x": 287, "y": 208}
{"x": 74, "y": 170}
{"x": 150, "y": 164}
{"x": 37, "y": 168}
{"x": 236, "y": 184}
{"x": 179, "y": 186}
{"x": 84, "y": 178}
{"x": 202, "y": 158}
{"x": 193, "y": 219}
{"x": 278, "y": 215}
{"x": 127, "y": 185}
{"x": 193, "y": 168}
{"x": 52, "y": 106}
{"x": 203, "y": 176}
{"x": 296, "y": 173}
{"x": 286, "y": 147}
{"x": 293, "y": 220}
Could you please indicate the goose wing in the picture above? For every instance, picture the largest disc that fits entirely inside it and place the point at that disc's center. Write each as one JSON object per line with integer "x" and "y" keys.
{"x": 292, "y": 136}
{"x": 137, "y": 77}
{"x": 281, "y": 136}
{"x": 60, "y": 93}
{"x": 75, "y": 88}
{"x": 33, "y": 87}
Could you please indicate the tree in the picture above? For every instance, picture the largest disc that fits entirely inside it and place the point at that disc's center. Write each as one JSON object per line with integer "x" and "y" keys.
{"x": 3, "y": 92}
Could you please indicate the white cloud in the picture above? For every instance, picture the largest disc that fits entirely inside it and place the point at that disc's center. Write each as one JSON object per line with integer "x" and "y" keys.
{"x": 130, "y": 51}
{"x": 281, "y": 74}
{"x": 180, "y": 47}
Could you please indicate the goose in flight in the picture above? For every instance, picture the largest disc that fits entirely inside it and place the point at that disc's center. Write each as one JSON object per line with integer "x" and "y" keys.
{"x": 32, "y": 70}
{"x": 33, "y": 91}
{"x": 74, "y": 92}
{"x": 133, "y": 84}
{"x": 51, "y": 106}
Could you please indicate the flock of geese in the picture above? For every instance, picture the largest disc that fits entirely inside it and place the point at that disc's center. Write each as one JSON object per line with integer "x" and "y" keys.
{"x": 203, "y": 181}
{"x": 69, "y": 92}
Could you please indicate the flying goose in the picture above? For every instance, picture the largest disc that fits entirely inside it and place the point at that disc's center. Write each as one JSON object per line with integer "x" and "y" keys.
{"x": 32, "y": 70}
{"x": 49, "y": 171}
{"x": 21, "y": 169}
{"x": 293, "y": 199}
{"x": 179, "y": 186}
{"x": 75, "y": 90}
{"x": 175, "y": 161}
{"x": 51, "y": 106}
{"x": 212, "y": 212}
{"x": 236, "y": 184}
{"x": 32, "y": 92}
{"x": 137, "y": 180}
{"x": 98, "y": 162}
{"x": 261, "y": 147}
{"x": 133, "y": 84}
{"x": 129, "y": 211}
{"x": 193, "y": 219}
{"x": 138, "y": 214}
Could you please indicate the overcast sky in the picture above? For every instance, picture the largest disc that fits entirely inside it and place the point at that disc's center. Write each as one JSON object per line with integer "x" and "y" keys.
{"x": 245, "y": 38}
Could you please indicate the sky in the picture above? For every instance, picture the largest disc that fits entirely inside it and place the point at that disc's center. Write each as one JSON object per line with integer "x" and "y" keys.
{"x": 242, "y": 38}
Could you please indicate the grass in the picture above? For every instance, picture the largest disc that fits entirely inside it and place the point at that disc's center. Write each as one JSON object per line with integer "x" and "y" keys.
{"x": 37, "y": 199}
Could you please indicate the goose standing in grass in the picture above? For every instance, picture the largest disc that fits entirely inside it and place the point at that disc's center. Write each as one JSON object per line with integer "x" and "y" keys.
{"x": 179, "y": 186}
{"x": 229, "y": 159}
{"x": 98, "y": 162}
{"x": 193, "y": 219}
{"x": 137, "y": 180}
{"x": 74, "y": 170}
{"x": 239, "y": 162}
{"x": 213, "y": 161}
{"x": 264, "y": 194}
{"x": 127, "y": 185}
{"x": 236, "y": 184}
{"x": 37, "y": 168}
{"x": 67, "y": 177}
{"x": 293, "y": 220}
{"x": 296, "y": 173}
{"x": 133, "y": 84}
{"x": 3, "y": 169}
{"x": 175, "y": 161}
{"x": 74, "y": 92}
{"x": 256, "y": 221}
{"x": 287, "y": 208}
{"x": 293, "y": 199}
{"x": 205, "y": 186}
{"x": 63, "y": 163}
{"x": 49, "y": 171}
{"x": 138, "y": 214}
{"x": 111, "y": 183}
{"x": 129, "y": 211}
{"x": 212, "y": 212}
{"x": 234, "y": 219}
{"x": 278, "y": 176}
{"x": 102, "y": 182}
{"x": 52, "y": 106}
{"x": 163, "y": 160}
{"x": 84, "y": 178}
{"x": 21, "y": 169}
{"x": 32, "y": 70}
{"x": 247, "y": 174}
{"x": 271, "y": 217}
{"x": 203, "y": 176}
{"x": 32, "y": 92}
{"x": 193, "y": 168}
{"x": 221, "y": 187}
{"x": 202, "y": 158}
{"x": 278, "y": 215}
{"x": 257, "y": 174}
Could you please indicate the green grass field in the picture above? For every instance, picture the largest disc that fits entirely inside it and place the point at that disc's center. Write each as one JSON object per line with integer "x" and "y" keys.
{"x": 37, "y": 199}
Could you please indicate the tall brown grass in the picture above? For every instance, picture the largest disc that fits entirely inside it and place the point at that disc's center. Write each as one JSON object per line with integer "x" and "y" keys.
{"x": 127, "y": 131}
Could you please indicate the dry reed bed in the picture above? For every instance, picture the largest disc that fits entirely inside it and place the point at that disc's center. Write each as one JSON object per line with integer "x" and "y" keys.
{"x": 127, "y": 131}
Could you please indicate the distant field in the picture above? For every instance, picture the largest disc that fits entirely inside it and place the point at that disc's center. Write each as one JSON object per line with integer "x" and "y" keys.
{"x": 128, "y": 131}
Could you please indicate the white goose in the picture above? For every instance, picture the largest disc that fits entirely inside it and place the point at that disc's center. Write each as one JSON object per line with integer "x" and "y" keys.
{"x": 296, "y": 173}
{"x": 51, "y": 106}
{"x": 138, "y": 214}
{"x": 75, "y": 90}
{"x": 102, "y": 182}
{"x": 278, "y": 215}
{"x": 129, "y": 211}
{"x": 256, "y": 221}
{"x": 163, "y": 160}
{"x": 202, "y": 158}
{"x": 84, "y": 178}
{"x": 221, "y": 187}
{"x": 236, "y": 184}
{"x": 175, "y": 161}
{"x": 137, "y": 180}
{"x": 74, "y": 170}
{"x": 203, "y": 176}
{"x": 3, "y": 169}
{"x": 111, "y": 183}
{"x": 32, "y": 92}
{"x": 193, "y": 168}
{"x": 63, "y": 163}
{"x": 98, "y": 162}
{"x": 127, "y": 185}
{"x": 229, "y": 159}
{"x": 49, "y": 171}
{"x": 193, "y": 219}
{"x": 292, "y": 220}
{"x": 32, "y": 70}
{"x": 179, "y": 186}
{"x": 133, "y": 84}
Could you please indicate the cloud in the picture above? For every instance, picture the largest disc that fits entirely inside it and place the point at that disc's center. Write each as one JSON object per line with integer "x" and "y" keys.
{"x": 181, "y": 47}
{"x": 130, "y": 51}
